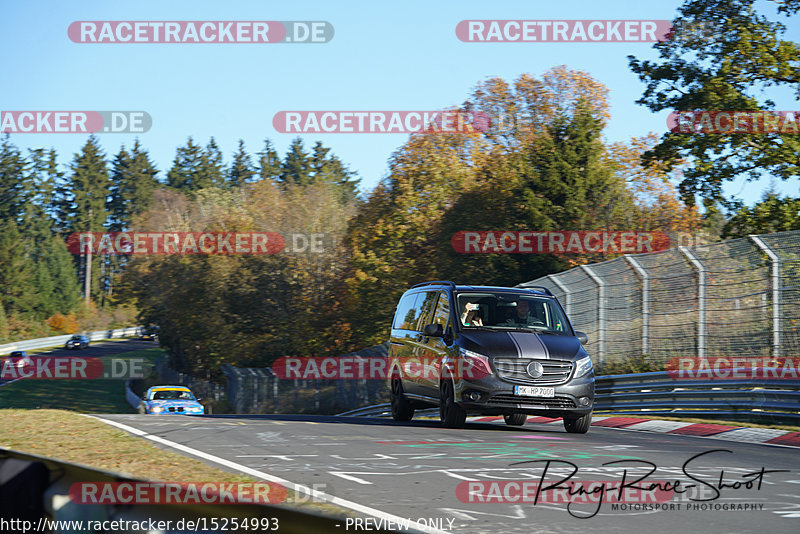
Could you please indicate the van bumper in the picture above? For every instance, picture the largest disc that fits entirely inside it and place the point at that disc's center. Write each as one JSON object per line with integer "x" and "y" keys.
{"x": 497, "y": 398}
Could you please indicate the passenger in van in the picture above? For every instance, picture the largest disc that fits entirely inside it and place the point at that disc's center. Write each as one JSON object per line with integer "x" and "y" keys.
{"x": 522, "y": 316}
{"x": 471, "y": 315}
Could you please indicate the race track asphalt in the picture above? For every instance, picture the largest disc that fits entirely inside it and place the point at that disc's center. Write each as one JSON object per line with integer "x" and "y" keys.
{"x": 412, "y": 470}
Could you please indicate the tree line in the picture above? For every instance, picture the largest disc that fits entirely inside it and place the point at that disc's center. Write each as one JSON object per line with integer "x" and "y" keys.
{"x": 43, "y": 201}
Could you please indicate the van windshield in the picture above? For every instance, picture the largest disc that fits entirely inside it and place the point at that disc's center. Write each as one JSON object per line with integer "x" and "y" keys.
{"x": 510, "y": 311}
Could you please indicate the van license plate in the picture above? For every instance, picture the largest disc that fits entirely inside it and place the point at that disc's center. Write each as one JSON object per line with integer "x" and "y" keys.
{"x": 534, "y": 391}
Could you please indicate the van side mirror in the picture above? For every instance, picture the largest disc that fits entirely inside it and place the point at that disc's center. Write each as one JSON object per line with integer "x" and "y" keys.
{"x": 433, "y": 330}
{"x": 582, "y": 337}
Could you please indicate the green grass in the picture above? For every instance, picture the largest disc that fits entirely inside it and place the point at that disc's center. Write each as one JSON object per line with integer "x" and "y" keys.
{"x": 84, "y": 396}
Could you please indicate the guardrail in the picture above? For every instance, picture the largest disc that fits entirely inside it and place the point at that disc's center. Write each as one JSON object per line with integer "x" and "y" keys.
{"x": 766, "y": 401}
{"x": 34, "y": 487}
{"x": 132, "y": 398}
{"x": 772, "y": 401}
{"x": 54, "y": 341}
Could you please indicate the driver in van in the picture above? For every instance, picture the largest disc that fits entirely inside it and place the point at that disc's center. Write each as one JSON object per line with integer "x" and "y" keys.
{"x": 522, "y": 315}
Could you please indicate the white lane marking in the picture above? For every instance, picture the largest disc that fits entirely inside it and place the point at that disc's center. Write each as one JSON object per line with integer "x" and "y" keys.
{"x": 286, "y": 457}
{"x": 271, "y": 478}
{"x": 348, "y": 477}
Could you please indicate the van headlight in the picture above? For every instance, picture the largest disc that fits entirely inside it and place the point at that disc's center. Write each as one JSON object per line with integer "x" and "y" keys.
{"x": 157, "y": 409}
{"x": 473, "y": 366}
{"x": 583, "y": 366}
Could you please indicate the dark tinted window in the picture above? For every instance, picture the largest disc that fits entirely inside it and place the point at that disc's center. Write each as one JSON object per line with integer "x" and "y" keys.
{"x": 426, "y": 306}
{"x": 442, "y": 313}
{"x": 407, "y": 313}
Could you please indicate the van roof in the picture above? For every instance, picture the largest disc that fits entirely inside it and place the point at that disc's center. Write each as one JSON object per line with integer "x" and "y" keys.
{"x": 509, "y": 289}
{"x": 539, "y": 290}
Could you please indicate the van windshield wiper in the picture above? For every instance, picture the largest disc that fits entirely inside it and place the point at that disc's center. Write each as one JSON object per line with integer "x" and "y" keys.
{"x": 517, "y": 328}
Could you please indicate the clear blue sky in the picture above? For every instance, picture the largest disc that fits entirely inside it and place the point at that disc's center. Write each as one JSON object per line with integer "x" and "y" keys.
{"x": 384, "y": 56}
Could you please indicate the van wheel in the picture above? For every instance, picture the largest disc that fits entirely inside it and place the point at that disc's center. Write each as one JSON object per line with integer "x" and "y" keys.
{"x": 451, "y": 414}
{"x": 578, "y": 425}
{"x": 516, "y": 419}
{"x": 401, "y": 407}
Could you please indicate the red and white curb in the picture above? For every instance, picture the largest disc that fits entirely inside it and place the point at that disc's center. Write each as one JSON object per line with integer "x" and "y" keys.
{"x": 768, "y": 436}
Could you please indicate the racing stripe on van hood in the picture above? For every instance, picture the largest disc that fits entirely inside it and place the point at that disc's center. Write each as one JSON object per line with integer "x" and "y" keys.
{"x": 529, "y": 345}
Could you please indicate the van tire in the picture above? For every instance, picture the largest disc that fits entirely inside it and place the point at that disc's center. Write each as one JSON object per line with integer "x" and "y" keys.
{"x": 579, "y": 425}
{"x": 402, "y": 410}
{"x": 515, "y": 419}
{"x": 451, "y": 414}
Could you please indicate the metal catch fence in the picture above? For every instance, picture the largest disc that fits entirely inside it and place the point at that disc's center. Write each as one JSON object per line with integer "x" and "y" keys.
{"x": 738, "y": 297}
{"x": 259, "y": 390}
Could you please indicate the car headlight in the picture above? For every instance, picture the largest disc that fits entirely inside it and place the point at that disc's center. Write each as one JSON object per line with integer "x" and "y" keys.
{"x": 583, "y": 366}
{"x": 157, "y": 409}
{"x": 473, "y": 366}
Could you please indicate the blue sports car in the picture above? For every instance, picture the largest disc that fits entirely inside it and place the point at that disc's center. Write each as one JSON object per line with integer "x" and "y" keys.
{"x": 170, "y": 400}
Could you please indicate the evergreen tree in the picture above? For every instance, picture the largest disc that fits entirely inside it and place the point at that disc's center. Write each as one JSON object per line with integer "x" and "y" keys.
{"x": 303, "y": 169}
{"x": 185, "y": 170}
{"x": 212, "y": 169}
{"x": 16, "y": 271}
{"x": 196, "y": 168}
{"x": 44, "y": 178}
{"x": 84, "y": 203}
{"x": 296, "y": 168}
{"x": 4, "y": 330}
{"x": 83, "y": 199}
{"x": 13, "y": 183}
{"x": 565, "y": 178}
{"x": 328, "y": 168}
{"x": 269, "y": 163}
{"x": 54, "y": 279}
{"x": 133, "y": 180}
{"x": 241, "y": 170}
{"x": 61, "y": 268}
{"x": 116, "y": 205}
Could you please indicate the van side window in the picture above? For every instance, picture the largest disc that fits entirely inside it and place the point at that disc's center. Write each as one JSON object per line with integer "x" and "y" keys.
{"x": 426, "y": 310}
{"x": 407, "y": 313}
{"x": 442, "y": 314}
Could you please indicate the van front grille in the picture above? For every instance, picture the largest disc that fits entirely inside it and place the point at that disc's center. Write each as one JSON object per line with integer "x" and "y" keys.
{"x": 515, "y": 370}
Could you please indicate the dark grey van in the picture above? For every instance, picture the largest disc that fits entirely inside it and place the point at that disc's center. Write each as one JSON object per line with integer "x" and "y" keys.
{"x": 489, "y": 351}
